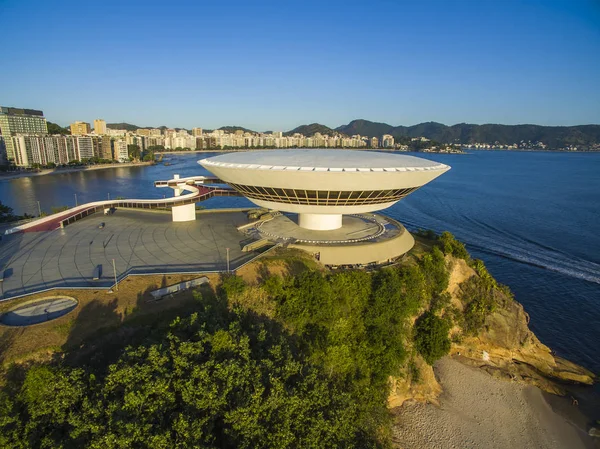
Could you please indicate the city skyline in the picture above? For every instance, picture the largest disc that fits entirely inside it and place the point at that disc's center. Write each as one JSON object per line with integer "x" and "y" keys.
{"x": 276, "y": 66}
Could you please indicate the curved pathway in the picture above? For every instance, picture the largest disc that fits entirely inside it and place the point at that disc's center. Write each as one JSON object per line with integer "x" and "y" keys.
{"x": 194, "y": 185}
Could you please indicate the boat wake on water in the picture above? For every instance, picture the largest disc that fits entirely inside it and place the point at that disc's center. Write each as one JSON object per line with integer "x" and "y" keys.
{"x": 509, "y": 246}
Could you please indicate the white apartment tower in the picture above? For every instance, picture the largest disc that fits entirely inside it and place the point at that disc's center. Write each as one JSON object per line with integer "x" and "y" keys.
{"x": 121, "y": 153}
{"x": 387, "y": 141}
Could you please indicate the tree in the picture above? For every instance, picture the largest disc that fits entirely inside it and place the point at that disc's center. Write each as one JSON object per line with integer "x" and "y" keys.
{"x": 452, "y": 246}
{"x": 53, "y": 128}
{"x": 6, "y": 213}
{"x": 218, "y": 378}
{"x": 133, "y": 151}
{"x": 232, "y": 285}
{"x": 431, "y": 337}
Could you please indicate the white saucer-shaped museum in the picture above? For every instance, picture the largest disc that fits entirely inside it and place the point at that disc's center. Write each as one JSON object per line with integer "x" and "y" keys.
{"x": 322, "y": 185}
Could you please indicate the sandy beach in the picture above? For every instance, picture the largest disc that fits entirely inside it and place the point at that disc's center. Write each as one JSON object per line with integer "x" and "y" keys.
{"x": 479, "y": 411}
{"x": 58, "y": 171}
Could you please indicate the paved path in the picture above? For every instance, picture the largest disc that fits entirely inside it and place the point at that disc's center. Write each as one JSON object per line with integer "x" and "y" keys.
{"x": 139, "y": 241}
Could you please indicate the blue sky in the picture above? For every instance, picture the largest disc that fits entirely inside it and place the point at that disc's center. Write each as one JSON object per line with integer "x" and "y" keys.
{"x": 276, "y": 65}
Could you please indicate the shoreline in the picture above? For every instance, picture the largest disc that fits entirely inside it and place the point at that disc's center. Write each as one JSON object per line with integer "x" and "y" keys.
{"x": 478, "y": 410}
{"x": 59, "y": 171}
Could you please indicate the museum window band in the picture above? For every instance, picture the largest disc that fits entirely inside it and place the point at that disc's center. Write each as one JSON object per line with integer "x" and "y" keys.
{"x": 322, "y": 197}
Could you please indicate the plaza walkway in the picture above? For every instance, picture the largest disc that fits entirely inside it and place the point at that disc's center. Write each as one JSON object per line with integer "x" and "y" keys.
{"x": 139, "y": 242}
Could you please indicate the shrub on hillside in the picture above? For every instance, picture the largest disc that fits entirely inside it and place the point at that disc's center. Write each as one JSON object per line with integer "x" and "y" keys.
{"x": 232, "y": 285}
{"x": 452, "y": 246}
{"x": 478, "y": 297}
{"x": 436, "y": 274}
{"x": 431, "y": 337}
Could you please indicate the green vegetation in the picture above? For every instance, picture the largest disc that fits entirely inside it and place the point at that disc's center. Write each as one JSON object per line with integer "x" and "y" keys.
{"x": 308, "y": 368}
{"x": 232, "y": 285}
{"x": 233, "y": 129}
{"x": 7, "y": 215}
{"x": 134, "y": 151}
{"x": 431, "y": 337}
{"x": 53, "y": 128}
{"x": 122, "y": 125}
{"x": 480, "y": 297}
{"x": 452, "y": 246}
{"x": 312, "y": 129}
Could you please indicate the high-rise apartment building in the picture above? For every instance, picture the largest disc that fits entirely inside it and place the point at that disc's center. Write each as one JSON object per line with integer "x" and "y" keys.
{"x": 387, "y": 141}
{"x": 16, "y": 120}
{"x": 43, "y": 149}
{"x": 100, "y": 126}
{"x": 197, "y": 132}
{"x": 374, "y": 142}
{"x": 85, "y": 147}
{"x": 3, "y": 158}
{"x": 80, "y": 128}
{"x": 28, "y": 150}
{"x": 106, "y": 151}
{"x": 121, "y": 152}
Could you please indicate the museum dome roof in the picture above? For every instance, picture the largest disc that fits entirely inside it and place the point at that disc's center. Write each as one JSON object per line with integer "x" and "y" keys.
{"x": 322, "y": 160}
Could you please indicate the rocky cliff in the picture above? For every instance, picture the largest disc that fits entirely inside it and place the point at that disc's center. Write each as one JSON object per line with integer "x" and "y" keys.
{"x": 505, "y": 347}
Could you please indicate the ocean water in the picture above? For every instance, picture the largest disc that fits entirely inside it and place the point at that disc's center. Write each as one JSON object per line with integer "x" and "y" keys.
{"x": 532, "y": 217}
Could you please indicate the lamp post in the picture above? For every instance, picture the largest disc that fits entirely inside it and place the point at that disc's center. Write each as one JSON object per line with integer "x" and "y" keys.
{"x": 109, "y": 196}
{"x": 115, "y": 271}
{"x": 227, "y": 259}
{"x": 75, "y": 200}
{"x": 39, "y": 210}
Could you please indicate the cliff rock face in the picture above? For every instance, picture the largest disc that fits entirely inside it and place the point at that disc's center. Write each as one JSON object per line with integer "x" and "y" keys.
{"x": 426, "y": 389}
{"x": 506, "y": 347}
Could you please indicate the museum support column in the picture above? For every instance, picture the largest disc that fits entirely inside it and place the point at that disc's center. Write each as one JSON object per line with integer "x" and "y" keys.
{"x": 186, "y": 212}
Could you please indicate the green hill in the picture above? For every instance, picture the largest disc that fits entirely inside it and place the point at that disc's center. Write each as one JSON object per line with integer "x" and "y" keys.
{"x": 53, "y": 128}
{"x": 365, "y": 128}
{"x": 232, "y": 129}
{"x": 312, "y": 129}
{"x": 125, "y": 126}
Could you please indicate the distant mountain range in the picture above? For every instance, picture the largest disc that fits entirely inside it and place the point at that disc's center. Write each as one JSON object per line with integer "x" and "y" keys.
{"x": 129, "y": 127}
{"x": 553, "y": 136}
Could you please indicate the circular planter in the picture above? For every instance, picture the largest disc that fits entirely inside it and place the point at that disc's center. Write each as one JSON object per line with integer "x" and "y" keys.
{"x": 38, "y": 311}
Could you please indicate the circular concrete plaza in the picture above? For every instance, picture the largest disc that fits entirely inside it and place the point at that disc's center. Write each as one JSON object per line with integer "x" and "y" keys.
{"x": 362, "y": 240}
{"x": 140, "y": 242}
{"x": 38, "y": 311}
{"x": 355, "y": 228}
